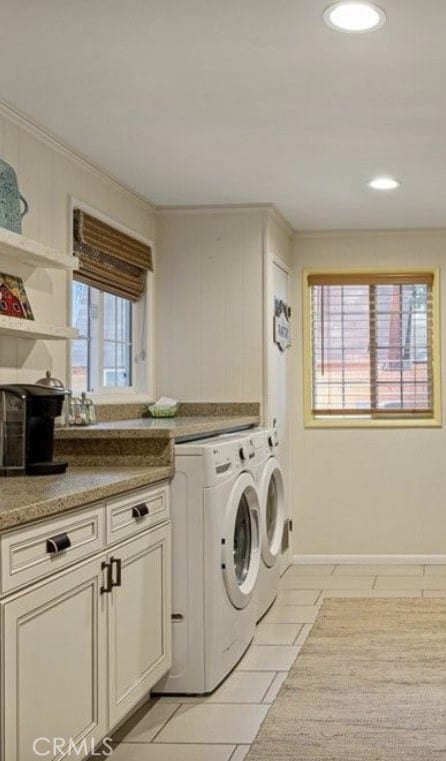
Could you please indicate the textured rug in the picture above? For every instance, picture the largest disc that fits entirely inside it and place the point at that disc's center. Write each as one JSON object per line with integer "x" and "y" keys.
{"x": 368, "y": 685}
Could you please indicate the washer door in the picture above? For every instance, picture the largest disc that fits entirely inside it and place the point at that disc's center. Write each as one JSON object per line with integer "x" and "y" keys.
{"x": 272, "y": 500}
{"x": 241, "y": 542}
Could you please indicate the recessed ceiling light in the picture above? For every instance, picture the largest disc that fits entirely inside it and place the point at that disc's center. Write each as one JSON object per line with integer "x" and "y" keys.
{"x": 384, "y": 183}
{"x": 354, "y": 16}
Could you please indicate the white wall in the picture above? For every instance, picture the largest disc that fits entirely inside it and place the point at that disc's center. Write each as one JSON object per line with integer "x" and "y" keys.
{"x": 278, "y": 380}
{"x": 48, "y": 176}
{"x": 210, "y": 304}
{"x": 278, "y": 247}
{"x": 367, "y": 491}
{"x": 279, "y": 238}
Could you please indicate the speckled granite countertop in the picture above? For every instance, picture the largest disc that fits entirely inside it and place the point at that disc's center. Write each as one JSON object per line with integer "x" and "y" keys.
{"x": 24, "y": 499}
{"x": 106, "y": 459}
{"x": 175, "y": 428}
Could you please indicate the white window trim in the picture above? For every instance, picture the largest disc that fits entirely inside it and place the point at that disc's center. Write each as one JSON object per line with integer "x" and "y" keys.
{"x": 143, "y": 387}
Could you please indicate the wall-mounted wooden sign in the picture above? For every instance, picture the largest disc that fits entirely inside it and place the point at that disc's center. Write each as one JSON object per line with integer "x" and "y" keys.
{"x": 282, "y": 335}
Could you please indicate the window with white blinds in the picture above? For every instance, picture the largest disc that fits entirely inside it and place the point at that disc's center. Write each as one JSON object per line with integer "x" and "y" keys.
{"x": 371, "y": 345}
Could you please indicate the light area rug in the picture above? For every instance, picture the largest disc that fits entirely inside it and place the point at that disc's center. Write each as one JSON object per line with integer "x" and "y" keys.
{"x": 368, "y": 685}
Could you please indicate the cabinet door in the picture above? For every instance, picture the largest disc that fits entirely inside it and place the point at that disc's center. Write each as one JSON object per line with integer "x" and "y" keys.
{"x": 54, "y": 666}
{"x": 139, "y": 623}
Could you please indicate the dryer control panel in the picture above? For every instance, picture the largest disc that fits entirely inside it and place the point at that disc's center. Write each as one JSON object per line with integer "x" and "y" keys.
{"x": 246, "y": 450}
{"x": 273, "y": 439}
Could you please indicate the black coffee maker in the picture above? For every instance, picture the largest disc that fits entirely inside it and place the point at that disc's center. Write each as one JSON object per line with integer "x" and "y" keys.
{"x": 27, "y": 415}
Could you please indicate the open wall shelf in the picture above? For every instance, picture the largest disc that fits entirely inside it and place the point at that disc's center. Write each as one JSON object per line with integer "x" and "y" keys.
{"x": 27, "y": 251}
{"x": 17, "y": 248}
{"x": 32, "y": 330}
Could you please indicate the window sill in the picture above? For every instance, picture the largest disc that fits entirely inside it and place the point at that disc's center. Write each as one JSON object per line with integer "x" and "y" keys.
{"x": 434, "y": 422}
{"x": 129, "y": 397}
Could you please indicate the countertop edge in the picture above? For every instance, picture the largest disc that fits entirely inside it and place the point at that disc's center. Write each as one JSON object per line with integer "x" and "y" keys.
{"x": 52, "y": 507}
{"x": 152, "y": 428}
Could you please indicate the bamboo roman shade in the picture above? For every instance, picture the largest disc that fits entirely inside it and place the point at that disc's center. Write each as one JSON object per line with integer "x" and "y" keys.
{"x": 108, "y": 258}
{"x": 372, "y": 344}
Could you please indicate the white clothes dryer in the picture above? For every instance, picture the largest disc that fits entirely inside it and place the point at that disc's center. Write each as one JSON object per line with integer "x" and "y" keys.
{"x": 258, "y": 450}
{"x": 270, "y": 485}
{"x": 216, "y": 559}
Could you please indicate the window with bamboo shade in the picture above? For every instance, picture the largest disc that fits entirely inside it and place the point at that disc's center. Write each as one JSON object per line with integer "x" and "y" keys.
{"x": 109, "y": 307}
{"x": 109, "y": 259}
{"x": 371, "y": 348}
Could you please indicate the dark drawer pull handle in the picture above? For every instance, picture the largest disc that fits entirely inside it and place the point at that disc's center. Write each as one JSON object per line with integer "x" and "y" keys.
{"x": 139, "y": 511}
{"x": 117, "y": 563}
{"x": 107, "y": 587}
{"x": 59, "y": 543}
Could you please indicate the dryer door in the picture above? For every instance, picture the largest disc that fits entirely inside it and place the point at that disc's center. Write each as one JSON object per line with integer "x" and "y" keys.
{"x": 241, "y": 542}
{"x": 272, "y": 505}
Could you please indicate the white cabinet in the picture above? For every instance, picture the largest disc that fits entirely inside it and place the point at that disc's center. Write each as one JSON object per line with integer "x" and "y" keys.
{"x": 139, "y": 620}
{"x": 54, "y": 664}
{"x": 81, "y": 648}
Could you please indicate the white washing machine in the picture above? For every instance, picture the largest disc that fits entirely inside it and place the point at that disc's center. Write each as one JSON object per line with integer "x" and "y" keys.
{"x": 216, "y": 559}
{"x": 270, "y": 485}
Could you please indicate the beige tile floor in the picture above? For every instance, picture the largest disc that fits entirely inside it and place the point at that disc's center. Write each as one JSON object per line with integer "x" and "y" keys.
{"x": 222, "y": 726}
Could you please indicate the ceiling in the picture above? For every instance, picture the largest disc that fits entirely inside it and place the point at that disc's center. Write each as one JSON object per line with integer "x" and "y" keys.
{"x": 224, "y": 102}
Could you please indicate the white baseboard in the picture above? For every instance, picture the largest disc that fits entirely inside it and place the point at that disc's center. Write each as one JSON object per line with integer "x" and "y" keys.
{"x": 369, "y": 559}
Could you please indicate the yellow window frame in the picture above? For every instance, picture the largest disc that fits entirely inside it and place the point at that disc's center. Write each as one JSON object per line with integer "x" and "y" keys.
{"x": 335, "y": 421}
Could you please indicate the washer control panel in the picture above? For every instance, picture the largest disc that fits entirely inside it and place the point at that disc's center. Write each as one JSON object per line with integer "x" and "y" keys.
{"x": 224, "y": 460}
{"x": 233, "y": 457}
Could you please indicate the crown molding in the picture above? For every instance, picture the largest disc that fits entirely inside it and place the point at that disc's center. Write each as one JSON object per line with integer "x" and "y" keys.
{"x": 282, "y": 221}
{"x": 29, "y": 125}
{"x": 269, "y": 208}
{"x": 212, "y": 208}
{"x": 364, "y": 233}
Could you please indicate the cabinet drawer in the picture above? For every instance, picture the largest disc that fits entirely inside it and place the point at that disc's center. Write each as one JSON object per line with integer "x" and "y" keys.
{"x": 137, "y": 512}
{"x": 31, "y": 553}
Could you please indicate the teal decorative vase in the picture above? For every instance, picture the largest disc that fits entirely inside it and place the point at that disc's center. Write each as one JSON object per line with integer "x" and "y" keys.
{"x": 11, "y": 214}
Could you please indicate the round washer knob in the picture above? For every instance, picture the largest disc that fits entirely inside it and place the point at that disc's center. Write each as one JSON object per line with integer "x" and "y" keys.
{"x": 242, "y": 453}
{"x": 270, "y": 441}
